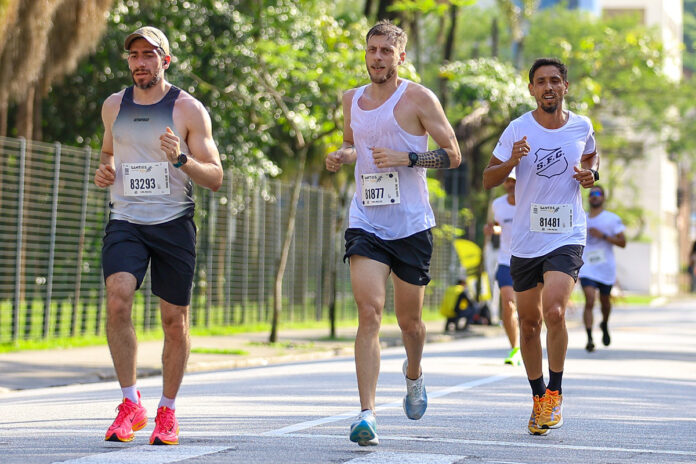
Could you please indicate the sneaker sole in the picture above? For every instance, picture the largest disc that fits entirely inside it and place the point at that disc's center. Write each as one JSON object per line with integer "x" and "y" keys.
{"x": 363, "y": 436}
{"x": 114, "y": 437}
{"x": 555, "y": 426}
{"x": 157, "y": 441}
{"x": 539, "y": 433}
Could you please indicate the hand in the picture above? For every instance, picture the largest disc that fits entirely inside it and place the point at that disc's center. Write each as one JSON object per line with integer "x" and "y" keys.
{"x": 584, "y": 176}
{"x": 488, "y": 229}
{"x": 170, "y": 145}
{"x": 386, "y": 158}
{"x": 335, "y": 159}
{"x": 595, "y": 232}
{"x": 104, "y": 176}
{"x": 520, "y": 149}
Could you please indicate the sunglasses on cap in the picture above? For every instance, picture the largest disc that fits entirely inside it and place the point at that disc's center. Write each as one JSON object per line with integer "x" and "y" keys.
{"x": 596, "y": 193}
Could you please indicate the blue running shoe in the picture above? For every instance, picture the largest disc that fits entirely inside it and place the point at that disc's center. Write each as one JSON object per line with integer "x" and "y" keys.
{"x": 416, "y": 399}
{"x": 364, "y": 430}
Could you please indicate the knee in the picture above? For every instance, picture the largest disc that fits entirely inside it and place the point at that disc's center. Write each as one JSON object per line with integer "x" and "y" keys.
{"x": 411, "y": 326}
{"x": 530, "y": 328}
{"x": 553, "y": 315}
{"x": 369, "y": 319}
{"x": 175, "y": 328}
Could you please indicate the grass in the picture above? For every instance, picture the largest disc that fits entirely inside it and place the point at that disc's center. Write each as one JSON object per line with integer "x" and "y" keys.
{"x": 237, "y": 352}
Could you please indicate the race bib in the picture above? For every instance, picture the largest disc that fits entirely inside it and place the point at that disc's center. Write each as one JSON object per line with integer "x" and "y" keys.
{"x": 380, "y": 188}
{"x": 145, "y": 179}
{"x": 551, "y": 219}
{"x": 596, "y": 257}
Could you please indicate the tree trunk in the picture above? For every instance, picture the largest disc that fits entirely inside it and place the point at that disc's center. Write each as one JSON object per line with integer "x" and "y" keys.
{"x": 368, "y": 9}
{"x": 4, "y": 107}
{"x": 287, "y": 241}
{"x": 494, "y": 38}
{"x": 25, "y": 115}
{"x": 447, "y": 52}
{"x": 383, "y": 11}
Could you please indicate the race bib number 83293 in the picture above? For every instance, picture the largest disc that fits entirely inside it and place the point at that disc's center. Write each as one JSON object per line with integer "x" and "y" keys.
{"x": 145, "y": 179}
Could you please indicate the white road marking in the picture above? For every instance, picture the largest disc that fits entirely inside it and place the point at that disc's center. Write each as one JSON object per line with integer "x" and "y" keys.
{"x": 404, "y": 458}
{"x": 516, "y": 444}
{"x": 394, "y": 404}
{"x": 148, "y": 454}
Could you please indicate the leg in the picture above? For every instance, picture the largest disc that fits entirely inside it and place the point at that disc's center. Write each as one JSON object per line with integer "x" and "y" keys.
{"x": 369, "y": 281}
{"x": 589, "y": 292}
{"x": 530, "y": 316}
{"x": 408, "y": 304}
{"x": 557, "y": 288}
{"x": 605, "y": 302}
{"x": 120, "y": 333}
{"x": 509, "y": 317}
{"x": 177, "y": 346}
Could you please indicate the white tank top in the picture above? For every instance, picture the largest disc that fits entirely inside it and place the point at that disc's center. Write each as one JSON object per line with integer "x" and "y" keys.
{"x": 379, "y": 128}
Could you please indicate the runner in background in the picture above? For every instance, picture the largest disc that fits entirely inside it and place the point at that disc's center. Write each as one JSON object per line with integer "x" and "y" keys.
{"x": 605, "y": 231}
{"x": 503, "y": 212}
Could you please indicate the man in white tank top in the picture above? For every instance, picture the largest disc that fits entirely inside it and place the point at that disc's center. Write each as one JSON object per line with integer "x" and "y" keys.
{"x": 157, "y": 139}
{"x": 553, "y": 152}
{"x": 385, "y": 133}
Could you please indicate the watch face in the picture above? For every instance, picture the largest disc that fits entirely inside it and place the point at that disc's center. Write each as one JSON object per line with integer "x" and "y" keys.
{"x": 182, "y": 158}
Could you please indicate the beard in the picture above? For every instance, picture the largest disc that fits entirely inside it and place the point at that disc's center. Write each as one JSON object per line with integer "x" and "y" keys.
{"x": 381, "y": 80}
{"x": 596, "y": 204}
{"x": 151, "y": 83}
{"x": 550, "y": 109}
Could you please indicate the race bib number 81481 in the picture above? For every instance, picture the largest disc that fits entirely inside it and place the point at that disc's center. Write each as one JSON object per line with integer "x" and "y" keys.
{"x": 551, "y": 219}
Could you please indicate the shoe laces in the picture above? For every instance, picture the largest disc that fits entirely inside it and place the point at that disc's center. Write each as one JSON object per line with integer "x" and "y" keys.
{"x": 548, "y": 402}
{"x": 165, "y": 418}
{"x": 415, "y": 388}
{"x": 125, "y": 409}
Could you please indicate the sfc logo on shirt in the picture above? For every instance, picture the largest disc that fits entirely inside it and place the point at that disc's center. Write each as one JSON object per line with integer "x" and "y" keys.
{"x": 550, "y": 162}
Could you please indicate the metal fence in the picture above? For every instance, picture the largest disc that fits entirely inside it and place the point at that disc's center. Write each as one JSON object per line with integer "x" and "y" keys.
{"x": 52, "y": 218}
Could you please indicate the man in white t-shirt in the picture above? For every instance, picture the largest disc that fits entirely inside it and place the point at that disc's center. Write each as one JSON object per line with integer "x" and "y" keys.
{"x": 605, "y": 231}
{"x": 385, "y": 133}
{"x": 553, "y": 152}
{"x": 502, "y": 214}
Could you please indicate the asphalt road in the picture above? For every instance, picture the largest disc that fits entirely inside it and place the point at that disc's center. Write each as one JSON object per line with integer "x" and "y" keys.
{"x": 634, "y": 402}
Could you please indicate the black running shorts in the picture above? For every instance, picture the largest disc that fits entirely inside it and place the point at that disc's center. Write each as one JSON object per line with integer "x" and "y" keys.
{"x": 527, "y": 273}
{"x": 408, "y": 257}
{"x": 170, "y": 247}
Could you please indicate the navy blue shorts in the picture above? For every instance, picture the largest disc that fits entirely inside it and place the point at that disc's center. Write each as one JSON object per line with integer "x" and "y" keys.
{"x": 527, "y": 273}
{"x": 408, "y": 257}
{"x": 604, "y": 289}
{"x": 503, "y": 276}
{"x": 170, "y": 247}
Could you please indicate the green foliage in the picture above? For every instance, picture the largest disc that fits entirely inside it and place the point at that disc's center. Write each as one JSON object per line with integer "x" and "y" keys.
{"x": 271, "y": 76}
{"x": 689, "y": 56}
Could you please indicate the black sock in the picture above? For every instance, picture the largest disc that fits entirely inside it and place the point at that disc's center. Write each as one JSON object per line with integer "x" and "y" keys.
{"x": 589, "y": 335}
{"x": 555, "y": 379}
{"x": 538, "y": 387}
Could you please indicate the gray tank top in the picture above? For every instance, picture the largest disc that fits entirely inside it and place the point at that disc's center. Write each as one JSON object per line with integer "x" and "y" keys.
{"x": 136, "y": 133}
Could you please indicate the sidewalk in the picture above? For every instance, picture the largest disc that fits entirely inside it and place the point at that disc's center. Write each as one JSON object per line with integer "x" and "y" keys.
{"x": 49, "y": 368}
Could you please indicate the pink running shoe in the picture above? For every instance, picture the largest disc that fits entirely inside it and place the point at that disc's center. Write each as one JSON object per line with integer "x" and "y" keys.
{"x": 166, "y": 428}
{"x": 131, "y": 417}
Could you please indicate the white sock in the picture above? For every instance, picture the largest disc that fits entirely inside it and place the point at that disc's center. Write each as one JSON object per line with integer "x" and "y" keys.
{"x": 131, "y": 393}
{"x": 167, "y": 402}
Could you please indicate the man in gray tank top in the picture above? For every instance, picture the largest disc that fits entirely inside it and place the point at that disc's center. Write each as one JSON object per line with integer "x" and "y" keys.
{"x": 157, "y": 142}
{"x": 385, "y": 133}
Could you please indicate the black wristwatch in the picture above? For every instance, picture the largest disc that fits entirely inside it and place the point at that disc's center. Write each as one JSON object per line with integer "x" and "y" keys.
{"x": 180, "y": 160}
{"x": 595, "y": 174}
{"x": 412, "y": 159}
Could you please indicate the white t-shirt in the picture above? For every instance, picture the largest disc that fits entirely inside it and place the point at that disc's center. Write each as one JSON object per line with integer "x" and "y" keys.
{"x": 549, "y": 211}
{"x": 503, "y": 214}
{"x": 598, "y": 256}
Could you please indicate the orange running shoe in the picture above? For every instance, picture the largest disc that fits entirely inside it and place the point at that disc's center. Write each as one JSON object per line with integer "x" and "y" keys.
{"x": 551, "y": 416}
{"x": 166, "y": 428}
{"x": 131, "y": 417}
{"x": 533, "y": 425}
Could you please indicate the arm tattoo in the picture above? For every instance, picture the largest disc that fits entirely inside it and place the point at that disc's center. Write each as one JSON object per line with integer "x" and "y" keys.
{"x": 437, "y": 159}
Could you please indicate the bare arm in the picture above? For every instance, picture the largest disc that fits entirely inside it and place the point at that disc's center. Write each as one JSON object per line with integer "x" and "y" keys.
{"x": 105, "y": 174}
{"x": 497, "y": 171}
{"x": 346, "y": 154}
{"x": 433, "y": 118}
{"x": 619, "y": 239}
{"x": 585, "y": 176}
{"x": 203, "y": 166}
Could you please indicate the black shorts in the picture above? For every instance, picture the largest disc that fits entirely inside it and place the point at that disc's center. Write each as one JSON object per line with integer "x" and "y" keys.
{"x": 171, "y": 246}
{"x": 408, "y": 257}
{"x": 527, "y": 273}
{"x": 604, "y": 289}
